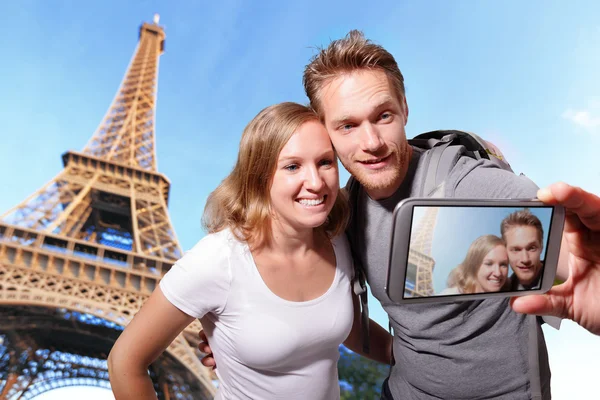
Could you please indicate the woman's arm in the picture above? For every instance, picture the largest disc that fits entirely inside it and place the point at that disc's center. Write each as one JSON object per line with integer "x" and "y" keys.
{"x": 380, "y": 340}
{"x": 150, "y": 332}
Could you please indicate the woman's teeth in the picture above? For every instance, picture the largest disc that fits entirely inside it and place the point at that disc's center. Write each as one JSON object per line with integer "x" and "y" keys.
{"x": 311, "y": 203}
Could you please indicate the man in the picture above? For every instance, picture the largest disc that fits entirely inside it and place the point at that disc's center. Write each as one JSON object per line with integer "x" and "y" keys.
{"x": 475, "y": 349}
{"x": 524, "y": 237}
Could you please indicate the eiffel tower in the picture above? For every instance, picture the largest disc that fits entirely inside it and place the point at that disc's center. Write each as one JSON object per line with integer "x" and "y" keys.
{"x": 421, "y": 264}
{"x": 79, "y": 257}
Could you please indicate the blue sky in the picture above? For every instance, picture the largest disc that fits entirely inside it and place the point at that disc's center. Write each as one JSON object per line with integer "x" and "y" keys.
{"x": 523, "y": 75}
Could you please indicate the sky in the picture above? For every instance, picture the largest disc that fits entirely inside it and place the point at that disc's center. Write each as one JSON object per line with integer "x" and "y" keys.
{"x": 523, "y": 75}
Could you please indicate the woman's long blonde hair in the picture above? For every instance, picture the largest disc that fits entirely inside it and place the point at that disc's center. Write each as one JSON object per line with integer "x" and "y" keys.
{"x": 242, "y": 201}
{"x": 464, "y": 276}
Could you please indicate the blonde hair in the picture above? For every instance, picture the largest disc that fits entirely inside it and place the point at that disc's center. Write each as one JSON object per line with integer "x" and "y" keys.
{"x": 522, "y": 218}
{"x": 242, "y": 201}
{"x": 464, "y": 276}
{"x": 352, "y": 53}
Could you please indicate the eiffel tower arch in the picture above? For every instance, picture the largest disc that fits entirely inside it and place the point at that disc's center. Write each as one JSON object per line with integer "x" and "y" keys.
{"x": 79, "y": 257}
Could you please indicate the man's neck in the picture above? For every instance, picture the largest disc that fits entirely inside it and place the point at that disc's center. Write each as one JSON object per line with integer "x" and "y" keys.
{"x": 517, "y": 284}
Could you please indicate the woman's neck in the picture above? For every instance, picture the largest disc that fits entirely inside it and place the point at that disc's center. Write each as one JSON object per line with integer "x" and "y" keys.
{"x": 289, "y": 241}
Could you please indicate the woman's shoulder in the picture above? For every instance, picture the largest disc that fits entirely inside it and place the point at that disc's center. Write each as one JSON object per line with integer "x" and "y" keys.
{"x": 220, "y": 241}
{"x": 343, "y": 254}
{"x": 341, "y": 245}
{"x": 214, "y": 249}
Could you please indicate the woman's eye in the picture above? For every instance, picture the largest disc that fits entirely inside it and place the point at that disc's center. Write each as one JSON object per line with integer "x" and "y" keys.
{"x": 291, "y": 167}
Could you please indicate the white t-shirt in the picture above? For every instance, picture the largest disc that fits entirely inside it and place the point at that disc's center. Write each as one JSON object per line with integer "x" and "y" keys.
{"x": 265, "y": 347}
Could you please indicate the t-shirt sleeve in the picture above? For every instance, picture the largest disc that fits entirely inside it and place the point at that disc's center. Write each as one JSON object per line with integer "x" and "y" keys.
{"x": 483, "y": 179}
{"x": 199, "y": 282}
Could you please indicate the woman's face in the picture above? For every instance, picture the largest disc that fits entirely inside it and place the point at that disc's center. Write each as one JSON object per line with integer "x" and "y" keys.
{"x": 306, "y": 181}
{"x": 493, "y": 271}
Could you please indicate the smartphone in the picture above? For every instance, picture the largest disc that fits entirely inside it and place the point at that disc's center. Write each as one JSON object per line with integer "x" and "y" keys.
{"x": 446, "y": 250}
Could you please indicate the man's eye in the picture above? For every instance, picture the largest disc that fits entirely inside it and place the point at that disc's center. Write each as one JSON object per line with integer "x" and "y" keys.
{"x": 533, "y": 248}
{"x": 386, "y": 115}
{"x": 346, "y": 127}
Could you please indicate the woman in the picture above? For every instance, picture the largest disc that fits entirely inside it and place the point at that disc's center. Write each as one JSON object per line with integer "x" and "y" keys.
{"x": 484, "y": 269}
{"x": 270, "y": 283}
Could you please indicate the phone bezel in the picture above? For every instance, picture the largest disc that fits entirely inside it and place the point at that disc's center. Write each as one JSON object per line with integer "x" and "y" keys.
{"x": 401, "y": 230}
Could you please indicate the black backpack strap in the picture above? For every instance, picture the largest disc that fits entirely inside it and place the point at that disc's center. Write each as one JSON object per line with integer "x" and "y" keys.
{"x": 359, "y": 285}
{"x": 360, "y": 288}
{"x": 445, "y": 148}
{"x": 535, "y": 385}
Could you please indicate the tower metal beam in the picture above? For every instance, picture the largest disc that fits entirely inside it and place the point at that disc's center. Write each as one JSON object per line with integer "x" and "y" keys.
{"x": 79, "y": 257}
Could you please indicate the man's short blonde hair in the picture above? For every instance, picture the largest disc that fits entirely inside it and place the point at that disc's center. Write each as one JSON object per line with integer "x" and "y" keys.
{"x": 352, "y": 53}
{"x": 522, "y": 218}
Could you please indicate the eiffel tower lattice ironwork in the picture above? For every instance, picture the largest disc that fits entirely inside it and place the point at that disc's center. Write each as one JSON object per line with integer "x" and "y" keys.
{"x": 80, "y": 256}
{"x": 419, "y": 258}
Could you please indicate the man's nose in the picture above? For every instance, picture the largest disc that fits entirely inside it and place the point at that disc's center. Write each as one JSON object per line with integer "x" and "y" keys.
{"x": 525, "y": 257}
{"x": 371, "y": 140}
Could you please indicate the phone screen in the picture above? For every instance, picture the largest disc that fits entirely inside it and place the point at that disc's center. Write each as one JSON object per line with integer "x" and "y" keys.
{"x": 458, "y": 250}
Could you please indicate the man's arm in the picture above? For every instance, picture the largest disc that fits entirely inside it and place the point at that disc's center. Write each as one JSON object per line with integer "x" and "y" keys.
{"x": 208, "y": 360}
{"x": 577, "y": 298}
{"x": 380, "y": 339}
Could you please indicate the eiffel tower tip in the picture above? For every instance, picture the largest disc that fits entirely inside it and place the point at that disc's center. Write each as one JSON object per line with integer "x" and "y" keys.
{"x": 156, "y": 18}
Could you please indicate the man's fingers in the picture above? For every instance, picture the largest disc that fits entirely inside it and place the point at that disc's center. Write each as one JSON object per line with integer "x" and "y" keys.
{"x": 576, "y": 200}
{"x": 204, "y": 347}
{"x": 545, "y": 304}
{"x": 208, "y": 361}
{"x": 536, "y": 304}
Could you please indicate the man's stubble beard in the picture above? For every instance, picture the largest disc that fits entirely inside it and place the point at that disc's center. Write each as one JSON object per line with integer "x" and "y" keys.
{"x": 393, "y": 174}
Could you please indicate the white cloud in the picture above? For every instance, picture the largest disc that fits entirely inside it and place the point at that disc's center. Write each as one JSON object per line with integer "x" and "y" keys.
{"x": 582, "y": 118}
{"x": 588, "y": 118}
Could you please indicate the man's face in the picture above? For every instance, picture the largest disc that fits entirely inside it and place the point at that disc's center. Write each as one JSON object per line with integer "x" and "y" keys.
{"x": 366, "y": 120}
{"x": 524, "y": 250}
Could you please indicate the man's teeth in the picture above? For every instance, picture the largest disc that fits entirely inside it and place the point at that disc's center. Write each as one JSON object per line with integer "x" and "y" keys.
{"x": 311, "y": 203}
{"x": 373, "y": 161}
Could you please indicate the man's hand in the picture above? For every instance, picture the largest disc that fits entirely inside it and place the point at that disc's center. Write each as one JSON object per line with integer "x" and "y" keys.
{"x": 578, "y": 298}
{"x": 207, "y": 360}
